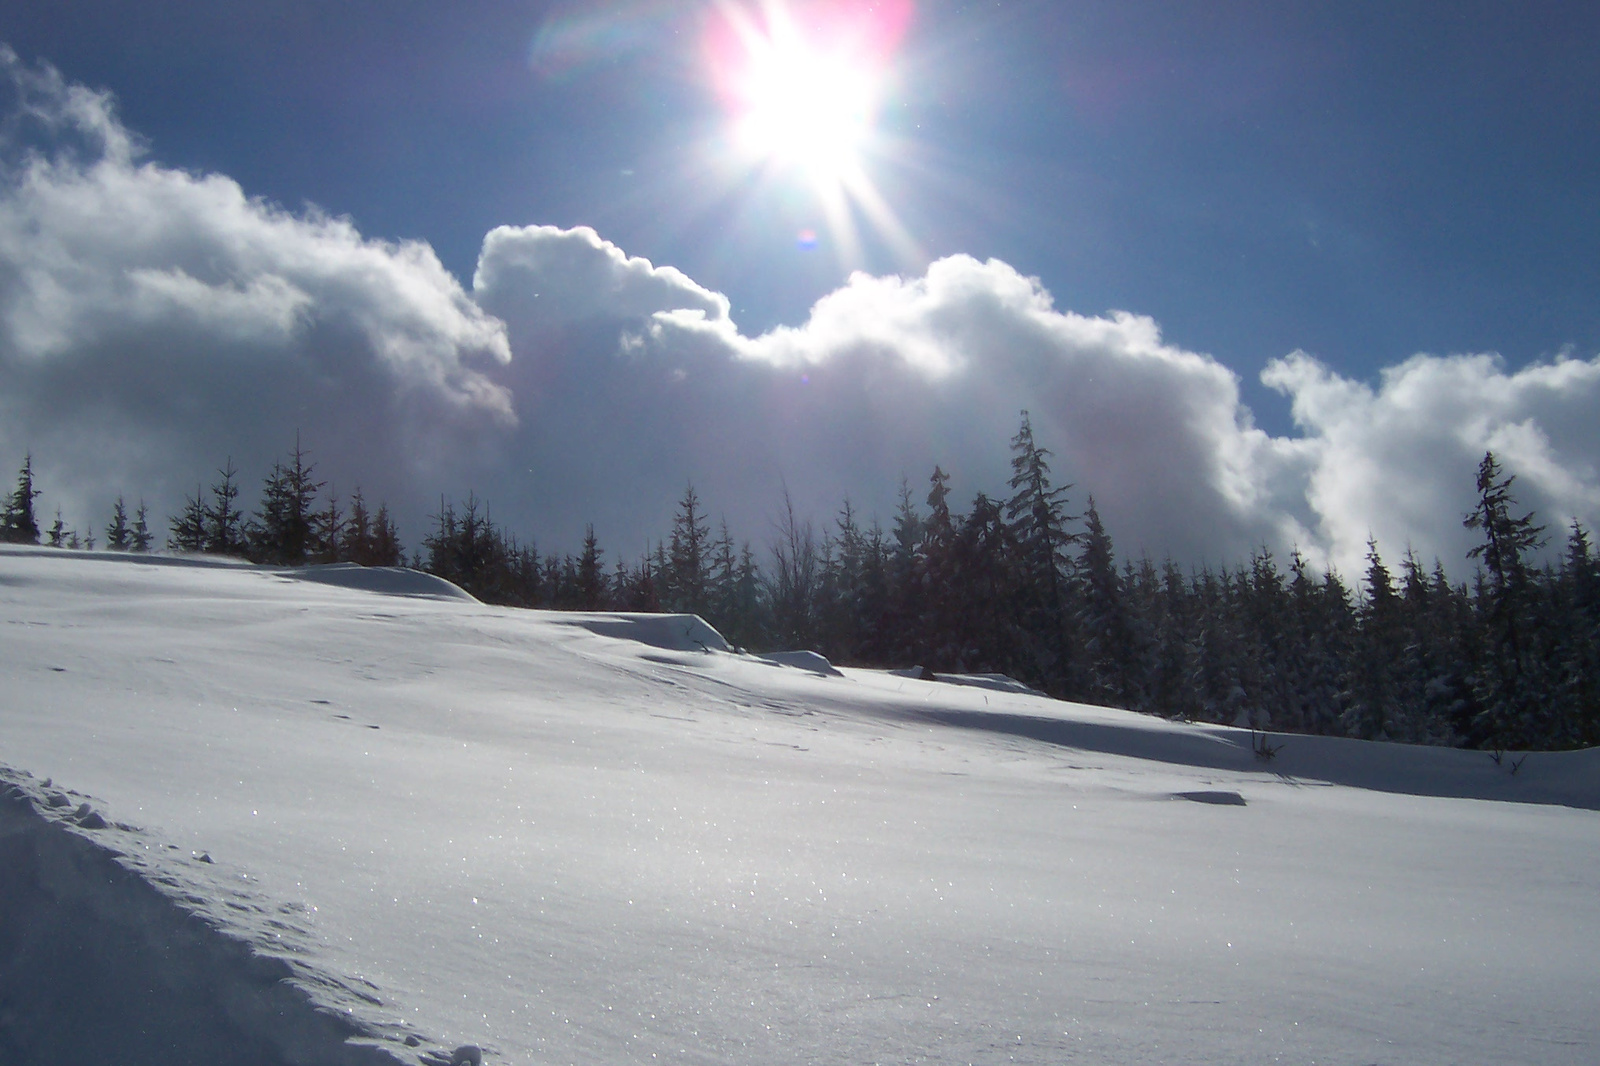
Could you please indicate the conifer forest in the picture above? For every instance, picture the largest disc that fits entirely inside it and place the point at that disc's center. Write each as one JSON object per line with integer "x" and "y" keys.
{"x": 1022, "y": 583}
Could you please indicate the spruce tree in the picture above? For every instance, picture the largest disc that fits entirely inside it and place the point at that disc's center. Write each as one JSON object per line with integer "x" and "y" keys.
{"x": 328, "y": 532}
{"x": 119, "y": 536}
{"x": 591, "y": 573}
{"x": 17, "y": 523}
{"x": 224, "y": 522}
{"x": 358, "y": 538}
{"x": 188, "y": 527}
{"x": 1038, "y": 515}
{"x": 282, "y": 531}
{"x": 1578, "y": 650}
{"x": 687, "y": 577}
{"x": 142, "y": 537}
{"x": 1513, "y": 712}
{"x": 1103, "y": 618}
{"x": 985, "y": 579}
{"x": 386, "y": 549}
{"x": 1375, "y": 712}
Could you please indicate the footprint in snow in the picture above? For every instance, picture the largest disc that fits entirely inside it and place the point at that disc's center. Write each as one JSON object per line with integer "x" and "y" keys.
{"x": 465, "y": 1055}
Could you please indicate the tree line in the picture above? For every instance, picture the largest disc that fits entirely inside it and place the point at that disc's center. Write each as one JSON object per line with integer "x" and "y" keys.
{"x": 1019, "y": 585}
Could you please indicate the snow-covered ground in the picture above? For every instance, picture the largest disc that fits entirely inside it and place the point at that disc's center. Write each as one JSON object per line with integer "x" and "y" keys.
{"x": 589, "y": 839}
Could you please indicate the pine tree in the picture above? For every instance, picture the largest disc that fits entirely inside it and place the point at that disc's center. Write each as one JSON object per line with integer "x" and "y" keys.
{"x": 723, "y": 573}
{"x": 1038, "y": 515}
{"x": 17, "y": 523}
{"x": 1171, "y": 610}
{"x": 687, "y": 576}
{"x": 224, "y": 523}
{"x": 1578, "y": 651}
{"x": 1375, "y": 711}
{"x": 58, "y": 532}
{"x": 188, "y": 527}
{"x": 934, "y": 633}
{"x": 591, "y": 575}
{"x": 985, "y": 577}
{"x": 358, "y": 531}
{"x": 142, "y": 537}
{"x": 386, "y": 549}
{"x": 282, "y": 531}
{"x": 328, "y": 532}
{"x": 1103, "y": 618}
{"x": 468, "y": 550}
{"x": 1512, "y": 710}
{"x": 119, "y": 537}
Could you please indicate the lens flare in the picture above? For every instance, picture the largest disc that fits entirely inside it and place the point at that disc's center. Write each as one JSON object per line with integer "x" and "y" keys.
{"x": 803, "y": 84}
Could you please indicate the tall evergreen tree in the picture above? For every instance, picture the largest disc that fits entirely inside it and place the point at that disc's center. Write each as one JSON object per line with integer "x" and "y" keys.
{"x": 1103, "y": 618}
{"x": 282, "y": 530}
{"x": 591, "y": 574}
{"x": 385, "y": 548}
{"x": 224, "y": 523}
{"x": 58, "y": 532}
{"x": 328, "y": 531}
{"x": 188, "y": 527}
{"x": 142, "y": 537}
{"x": 358, "y": 533}
{"x": 934, "y": 632}
{"x": 1037, "y": 511}
{"x": 1578, "y": 649}
{"x": 690, "y": 547}
{"x": 17, "y": 523}
{"x": 1512, "y": 713}
{"x": 1376, "y": 711}
{"x": 119, "y": 535}
{"x": 985, "y": 575}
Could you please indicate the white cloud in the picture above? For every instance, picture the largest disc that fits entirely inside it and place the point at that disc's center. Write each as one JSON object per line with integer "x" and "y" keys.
{"x": 886, "y": 378}
{"x": 580, "y": 278}
{"x": 1399, "y": 461}
{"x": 154, "y": 321}
{"x": 890, "y": 375}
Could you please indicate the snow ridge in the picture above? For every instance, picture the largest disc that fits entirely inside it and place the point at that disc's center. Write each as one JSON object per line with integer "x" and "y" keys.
{"x": 102, "y": 962}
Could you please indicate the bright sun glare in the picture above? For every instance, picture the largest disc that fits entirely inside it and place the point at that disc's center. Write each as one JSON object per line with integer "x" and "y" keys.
{"x": 803, "y": 107}
{"x": 804, "y": 82}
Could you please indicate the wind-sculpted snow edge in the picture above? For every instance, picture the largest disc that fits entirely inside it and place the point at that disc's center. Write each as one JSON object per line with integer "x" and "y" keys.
{"x": 104, "y": 957}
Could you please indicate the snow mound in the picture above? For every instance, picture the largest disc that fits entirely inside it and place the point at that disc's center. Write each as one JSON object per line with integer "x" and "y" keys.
{"x": 992, "y": 682}
{"x": 1216, "y": 797}
{"x": 669, "y": 632}
{"x": 989, "y": 682}
{"x": 802, "y": 660}
{"x": 390, "y": 580}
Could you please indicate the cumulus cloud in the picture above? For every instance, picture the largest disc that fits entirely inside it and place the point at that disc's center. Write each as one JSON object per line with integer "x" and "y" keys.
{"x": 153, "y": 321}
{"x": 1398, "y": 462}
{"x": 650, "y": 382}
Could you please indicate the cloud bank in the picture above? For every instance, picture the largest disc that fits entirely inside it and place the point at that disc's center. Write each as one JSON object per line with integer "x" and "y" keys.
{"x": 153, "y": 322}
{"x": 150, "y": 318}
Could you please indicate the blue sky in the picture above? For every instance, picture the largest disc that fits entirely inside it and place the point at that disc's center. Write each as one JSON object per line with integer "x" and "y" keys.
{"x": 1358, "y": 182}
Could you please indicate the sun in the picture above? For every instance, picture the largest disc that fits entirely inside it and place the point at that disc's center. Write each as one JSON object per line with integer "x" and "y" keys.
{"x": 802, "y": 107}
{"x": 803, "y": 80}
{"x": 803, "y": 83}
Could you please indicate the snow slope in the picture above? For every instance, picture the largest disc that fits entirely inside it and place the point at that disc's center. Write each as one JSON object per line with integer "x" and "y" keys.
{"x": 309, "y": 816}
